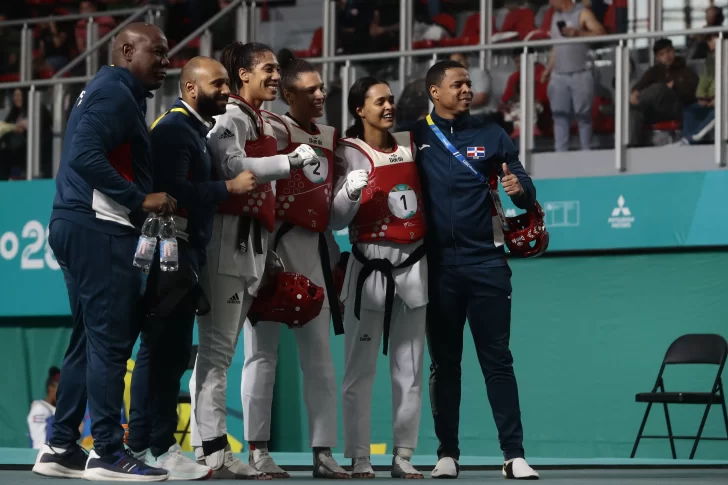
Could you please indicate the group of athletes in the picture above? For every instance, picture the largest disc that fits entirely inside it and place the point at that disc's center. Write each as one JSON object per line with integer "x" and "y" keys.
{"x": 255, "y": 197}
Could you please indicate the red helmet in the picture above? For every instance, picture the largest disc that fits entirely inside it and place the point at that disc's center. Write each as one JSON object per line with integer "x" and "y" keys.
{"x": 525, "y": 229}
{"x": 288, "y": 298}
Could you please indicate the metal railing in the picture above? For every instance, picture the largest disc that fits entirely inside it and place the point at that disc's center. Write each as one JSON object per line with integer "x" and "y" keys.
{"x": 92, "y": 48}
{"x": 527, "y": 81}
{"x": 78, "y": 16}
{"x": 247, "y": 14}
{"x": 26, "y": 34}
{"x": 90, "y": 55}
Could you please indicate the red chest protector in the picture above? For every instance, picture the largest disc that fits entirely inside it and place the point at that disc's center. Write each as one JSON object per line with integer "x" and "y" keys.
{"x": 391, "y": 205}
{"x": 259, "y": 204}
{"x": 304, "y": 199}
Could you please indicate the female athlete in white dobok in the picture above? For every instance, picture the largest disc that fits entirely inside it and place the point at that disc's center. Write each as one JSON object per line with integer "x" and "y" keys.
{"x": 377, "y": 194}
{"x": 305, "y": 245}
{"x": 240, "y": 140}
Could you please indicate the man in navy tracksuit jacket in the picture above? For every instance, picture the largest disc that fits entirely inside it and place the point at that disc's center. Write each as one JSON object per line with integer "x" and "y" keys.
{"x": 104, "y": 187}
{"x": 182, "y": 168}
{"x": 468, "y": 274}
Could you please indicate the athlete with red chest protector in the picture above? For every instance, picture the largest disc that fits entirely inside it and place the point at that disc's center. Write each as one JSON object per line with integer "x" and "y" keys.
{"x": 307, "y": 250}
{"x": 240, "y": 140}
{"x": 378, "y": 196}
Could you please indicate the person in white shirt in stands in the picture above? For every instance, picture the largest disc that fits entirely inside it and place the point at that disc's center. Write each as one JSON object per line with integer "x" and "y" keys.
{"x": 43, "y": 410}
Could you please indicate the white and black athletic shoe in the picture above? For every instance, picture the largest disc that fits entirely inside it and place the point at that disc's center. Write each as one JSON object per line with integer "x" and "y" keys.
{"x": 518, "y": 469}
{"x": 60, "y": 463}
{"x": 446, "y": 467}
{"x": 121, "y": 466}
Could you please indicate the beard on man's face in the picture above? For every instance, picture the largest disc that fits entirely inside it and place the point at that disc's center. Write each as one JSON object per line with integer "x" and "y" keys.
{"x": 210, "y": 105}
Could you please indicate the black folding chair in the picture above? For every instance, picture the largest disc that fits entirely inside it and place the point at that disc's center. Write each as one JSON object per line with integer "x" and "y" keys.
{"x": 185, "y": 398}
{"x": 688, "y": 349}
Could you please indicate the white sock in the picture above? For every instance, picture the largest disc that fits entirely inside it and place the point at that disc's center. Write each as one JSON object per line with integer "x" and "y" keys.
{"x": 405, "y": 453}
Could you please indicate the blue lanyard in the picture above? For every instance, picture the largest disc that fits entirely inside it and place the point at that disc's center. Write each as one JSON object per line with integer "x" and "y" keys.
{"x": 454, "y": 151}
{"x": 459, "y": 156}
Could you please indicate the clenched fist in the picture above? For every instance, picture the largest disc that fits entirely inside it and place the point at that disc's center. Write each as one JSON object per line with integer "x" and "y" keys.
{"x": 510, "y": 183}
{"x": 242, "y": 184}
{"x": 355, "y": 182}
{"x": 304, "y": 155}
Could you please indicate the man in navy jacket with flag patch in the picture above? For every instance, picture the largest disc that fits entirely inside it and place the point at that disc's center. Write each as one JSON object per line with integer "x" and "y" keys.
{"x": 468, "y": 274}
{"x": 104, "y": 187}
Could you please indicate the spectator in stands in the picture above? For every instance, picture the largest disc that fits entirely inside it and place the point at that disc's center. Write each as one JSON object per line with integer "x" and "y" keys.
{"x": 105, "y": 24}
{"x": 571, "y": 85}
{"x": 699, "y": 118}
{"x": 511, "y": 98}
{"x": 9, "y": 47}
{"x": 40, "y": 417}
{"x": 369, "y": 26}
{"x": 13, "y": 143}
{"x": 713, "y": 18}
{"x": 224, "y": 30}
{"x": 662, "y": 93}
{"x": 484, "y": 104}
{"x": 353, "y": 24}
{"x": 55, "y": 45}
{"x": 413, "y": 105}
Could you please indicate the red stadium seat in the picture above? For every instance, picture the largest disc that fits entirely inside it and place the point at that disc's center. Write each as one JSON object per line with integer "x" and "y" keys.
{"x": 469, "y": 36}
{"x": 520, "y": 21}
{"x": 316, "y": 47}
{"x": 10, "y": 78}
{"x": 423, "y": 44}
{"x": 446, "y": 21}
{"x": 673, "y": 125}
{"x": 665, "y": 132}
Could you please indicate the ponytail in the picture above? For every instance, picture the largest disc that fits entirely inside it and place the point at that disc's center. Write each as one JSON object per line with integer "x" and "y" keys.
{"x": 356, "y": 130}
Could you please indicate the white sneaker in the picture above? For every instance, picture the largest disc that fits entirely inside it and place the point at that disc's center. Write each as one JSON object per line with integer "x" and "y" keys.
{"x": 261, "y": 460}
{"x": 446, "y": 468}
{"x": 362, "y": 468}
{"x": 518, "y": 469}
{"x": 178, "y": 466}
{"x": 226, "y": 466}
{"x": 401, "y": 465}
{"x": 325, "y": 466}
{"x": 60, "y": 463}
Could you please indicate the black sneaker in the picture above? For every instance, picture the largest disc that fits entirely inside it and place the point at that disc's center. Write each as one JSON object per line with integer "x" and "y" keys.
{"x": 59, "y": 463}
{"x": 121, "y": 466}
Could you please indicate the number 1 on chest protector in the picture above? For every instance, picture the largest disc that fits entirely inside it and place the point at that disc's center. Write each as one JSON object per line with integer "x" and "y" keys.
{"x": 402, "y": 201}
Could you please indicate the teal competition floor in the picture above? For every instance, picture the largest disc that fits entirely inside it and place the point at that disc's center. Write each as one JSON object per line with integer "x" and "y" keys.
{"x": 15, "y": 465}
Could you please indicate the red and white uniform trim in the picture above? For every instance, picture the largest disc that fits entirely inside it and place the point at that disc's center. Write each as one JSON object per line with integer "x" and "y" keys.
{"x": 391, "y": 205}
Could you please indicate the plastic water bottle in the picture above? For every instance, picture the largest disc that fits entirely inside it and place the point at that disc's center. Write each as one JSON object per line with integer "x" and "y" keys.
{"x": 168, "y": 253}
{"x": 147, "y": 244}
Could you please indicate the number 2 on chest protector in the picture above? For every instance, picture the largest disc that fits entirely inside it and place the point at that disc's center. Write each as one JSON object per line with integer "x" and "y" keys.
{"x": 317, "y": 172}
{"x": 402, "y": 201}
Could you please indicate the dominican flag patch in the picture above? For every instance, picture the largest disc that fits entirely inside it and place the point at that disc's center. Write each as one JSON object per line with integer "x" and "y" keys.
{"x": 476, "y": 152}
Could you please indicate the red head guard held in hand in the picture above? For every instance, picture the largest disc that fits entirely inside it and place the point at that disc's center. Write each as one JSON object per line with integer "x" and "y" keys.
{"x": 289, "y": 298}
{"x": 526, "y": 236}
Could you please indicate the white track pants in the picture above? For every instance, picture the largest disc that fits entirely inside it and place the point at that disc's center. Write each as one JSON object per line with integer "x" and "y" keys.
{"x": 218, "y": 333}
{"x": 319, "y": 380}
{"x": 362, "y": 341}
